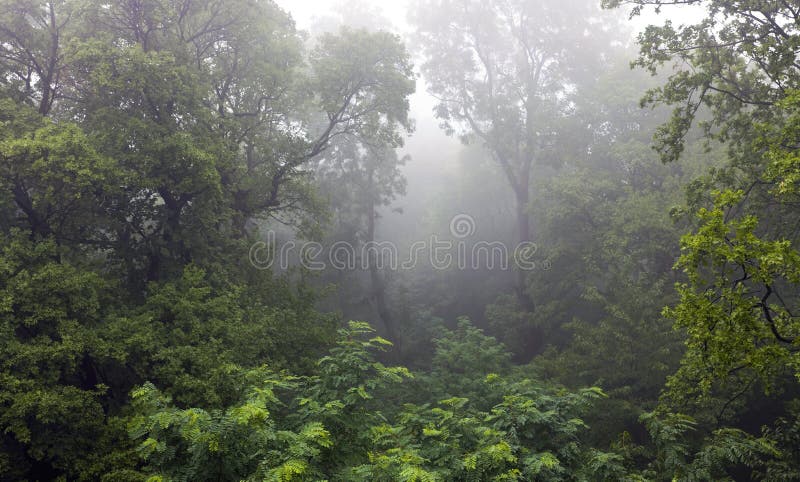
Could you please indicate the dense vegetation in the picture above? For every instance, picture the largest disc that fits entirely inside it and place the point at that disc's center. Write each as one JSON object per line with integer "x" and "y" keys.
{"x": 148, "y": 332}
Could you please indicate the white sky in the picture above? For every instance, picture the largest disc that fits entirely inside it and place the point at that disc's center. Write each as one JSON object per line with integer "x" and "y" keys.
{"x": 304, "y": 11}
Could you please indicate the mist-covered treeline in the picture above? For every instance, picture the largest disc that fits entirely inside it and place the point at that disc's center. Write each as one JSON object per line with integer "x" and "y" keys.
{"x": 229, "y": 251}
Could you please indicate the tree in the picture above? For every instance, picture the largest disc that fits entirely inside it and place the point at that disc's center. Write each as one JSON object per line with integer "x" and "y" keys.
{"x": 742, "y": 58}
{"x": 214, "y": 113}
{"x": 140, "y": 141}
{"x": 607, "y": 219}
{"x": 735, "y": 77}
{"x": 53, "y": 396}
{"x": 361, "y": 176}
{"x": 737, "y": 305}
{"x": 502, "y": 72}
{"x": 33, "y": 59}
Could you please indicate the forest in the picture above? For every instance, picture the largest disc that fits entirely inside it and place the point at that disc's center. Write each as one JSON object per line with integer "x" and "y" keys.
{"x": 423, "y": 240}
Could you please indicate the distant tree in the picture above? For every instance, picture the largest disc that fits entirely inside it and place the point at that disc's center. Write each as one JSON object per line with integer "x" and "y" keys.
{"x": 357, "y": 176}
{"x": 360, "y": 177}
{"x": 503, "y": 72}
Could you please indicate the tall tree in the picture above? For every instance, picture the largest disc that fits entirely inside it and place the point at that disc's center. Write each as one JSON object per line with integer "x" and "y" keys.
{"x": 502, "y": 72}
{"x": 32, "y": 53}
{"x": 360, "y": 178}
{"x": 735, "y": 76}
{"x": 138, "y": 140}
{"x": 742, "y": 74}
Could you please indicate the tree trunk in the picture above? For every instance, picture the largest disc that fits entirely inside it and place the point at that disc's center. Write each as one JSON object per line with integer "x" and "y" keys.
{"x": 379, "y": 287}
{"x": 524, "y": 233}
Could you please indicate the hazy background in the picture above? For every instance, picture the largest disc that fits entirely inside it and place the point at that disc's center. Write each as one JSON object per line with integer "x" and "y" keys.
{"x": 425, "y": 167}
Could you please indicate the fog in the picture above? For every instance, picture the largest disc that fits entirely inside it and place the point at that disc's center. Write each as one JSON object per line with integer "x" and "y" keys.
{"x": 418, "y": 240}
{"x": 447, "y": 178}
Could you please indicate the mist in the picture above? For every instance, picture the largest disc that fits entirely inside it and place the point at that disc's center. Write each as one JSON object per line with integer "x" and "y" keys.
{"x": 421, "y": 240}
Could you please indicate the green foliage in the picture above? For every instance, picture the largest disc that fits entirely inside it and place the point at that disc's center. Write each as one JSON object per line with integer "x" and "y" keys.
{"x": 70, "y": 357}
{"x": 725, "y": 308}
{"x": 784, "y": 435}
{"x": 282, "y": 428}
{"x": 194, "y": 444}
{"x": 53, "y": 174}
{"x": 724, "y": 452}
{"x": 139, "y": 144}
{"x": 782, "y": 163}
{"x": 189, "y": 335}
{"x": 338, "y": 424}
{"x": 511, "y": 427}
{"x": 144, "y": 145}
{"x": 736, "y": 79}
{"x": 737, "y": 305}
{"x": 53, "y": 399}
{"x": 377, "y": 64}
{"x": 466, "y": 354}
